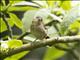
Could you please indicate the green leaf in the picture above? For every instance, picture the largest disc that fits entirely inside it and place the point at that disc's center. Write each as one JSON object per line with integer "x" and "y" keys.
{"x": 4, "y": 2}
{"x": 74, "y": 25}
{"x": 10, "y": 22}
{"x": 2, "y": 25}
{"x": 1, "y": 8}
{"x": 74, "y": 28}
{"x": 69, "y": 18}
{"x": 14, "y": 2}
{"x": 20, "y": 8}
{"x": 14, "y": 43}
{"x": 66, "y": 5}
{"x": 26, "y": 3}
{"x": 42, "y": 4}
{"x": 53, "y": 54}
{"x": 50, "y": 4}
{"x": 17, "y": 56}
{"x": 18, "y": 0}
{"x": 23, "y": 6}
{"x": 16, "y": 20}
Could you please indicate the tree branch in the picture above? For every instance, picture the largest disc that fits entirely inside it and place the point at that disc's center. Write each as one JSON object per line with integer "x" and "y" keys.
{"x": 38, "y": 44}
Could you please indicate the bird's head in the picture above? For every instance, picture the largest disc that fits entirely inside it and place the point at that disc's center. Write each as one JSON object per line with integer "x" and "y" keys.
{"x": 37, "y": 20}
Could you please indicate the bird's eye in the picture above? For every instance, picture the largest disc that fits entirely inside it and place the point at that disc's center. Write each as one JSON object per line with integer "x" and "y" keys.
{"x": 39, "y": 18}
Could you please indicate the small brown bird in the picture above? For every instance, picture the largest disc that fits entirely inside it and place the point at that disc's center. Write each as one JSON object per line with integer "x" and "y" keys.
{"x": 38, "y": 29}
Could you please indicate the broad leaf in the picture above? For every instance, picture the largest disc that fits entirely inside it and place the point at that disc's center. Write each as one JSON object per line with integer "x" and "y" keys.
{"x": 43, "y": 4}
{"x": 20, "y": 8}
{"x": 17, "y": 56}
{"x": 53, "y": 54}
{"x": 3, "y": 26}
{"x": 69, "y": 18}
{"x": 14, "y": 43}
{"x": 10, "y": 22}
{"x": 24, "y": 3}
{"x": 50, "y": 4}
{"x": 16, "y": 20}
{"x": 66, "y": 5}
{"x": 23, "y": 6}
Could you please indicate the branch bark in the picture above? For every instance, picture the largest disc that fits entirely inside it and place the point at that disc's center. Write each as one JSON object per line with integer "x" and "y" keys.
{"x": 38, "y": 44}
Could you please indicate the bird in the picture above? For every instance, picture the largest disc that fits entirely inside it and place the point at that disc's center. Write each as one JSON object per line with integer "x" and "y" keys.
{"x": 38, "y": 28}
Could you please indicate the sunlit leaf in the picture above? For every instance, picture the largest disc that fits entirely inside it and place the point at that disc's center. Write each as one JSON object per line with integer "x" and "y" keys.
{"x": 75, "y": 27}
{"x": 16, "y": 20}
{"x": 1, "y": 8}
{"x": 26, "y": 3}
{"x": 14, "y": 2}
{"x": 14, "y": 43}
{"x": 17, "y": 8}
{"x": 50, "y": 4}
{"x": 66, "y": 5}
{"x": 43, "y": 4}
{"x": 17, "y": 0}
{"x": 10, "y": 22}
{"x": 17, "y": 56}
{"x": 23, "y": 6}
{"x": 53, "y": 54}
{"x": 3, "y": 26}
{"x": 69, "y": 18}
{"x": 3, "y": 2}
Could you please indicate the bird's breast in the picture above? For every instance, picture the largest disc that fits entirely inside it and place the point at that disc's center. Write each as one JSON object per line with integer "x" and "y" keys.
{"x": 38, "y": 31}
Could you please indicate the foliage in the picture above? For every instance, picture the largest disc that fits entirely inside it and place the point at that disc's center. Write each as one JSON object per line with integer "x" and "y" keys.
{"x": 60, "y": 17}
